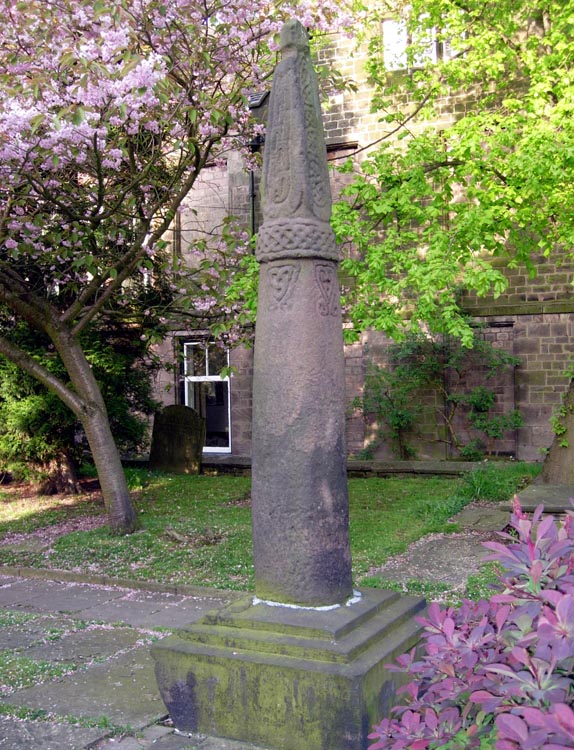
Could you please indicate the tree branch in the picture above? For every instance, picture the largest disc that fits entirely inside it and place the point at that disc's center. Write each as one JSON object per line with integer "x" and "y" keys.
{"x": 390, "y": 133}
{"x": 17, "y": 297}
{"x": 126, "y": 265}
{"x": 40, "y": 373}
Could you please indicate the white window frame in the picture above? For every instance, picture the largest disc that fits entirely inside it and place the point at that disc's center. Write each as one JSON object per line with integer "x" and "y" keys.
{"x": 188, "y": 346}
{"x": 395, "y": 43}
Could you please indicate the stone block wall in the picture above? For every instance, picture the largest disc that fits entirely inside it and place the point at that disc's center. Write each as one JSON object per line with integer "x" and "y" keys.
{"x": 544, "y": 343}
{"x": 205, "y": 209}
{"x": 347, "y": 116}
{"x": 540, "y": 310}
{"x": 166, "y": 380}
{"x": 431, "y": 439}
{"x": 547, "y": 289}
{"x": 355, "y": 363}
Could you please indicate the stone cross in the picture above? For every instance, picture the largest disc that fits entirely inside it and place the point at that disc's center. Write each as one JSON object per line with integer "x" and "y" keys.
{"x": 300, "y": 501}
{"x": 300, "y": 666}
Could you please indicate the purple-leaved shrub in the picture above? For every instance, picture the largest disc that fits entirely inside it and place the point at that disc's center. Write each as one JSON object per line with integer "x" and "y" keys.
{"x": 498, "y": 673}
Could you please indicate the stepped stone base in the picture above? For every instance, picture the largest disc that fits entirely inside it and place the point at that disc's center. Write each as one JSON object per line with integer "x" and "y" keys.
{"x": 288, "y": 678}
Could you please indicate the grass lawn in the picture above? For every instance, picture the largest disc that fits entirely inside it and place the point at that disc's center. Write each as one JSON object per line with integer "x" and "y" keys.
{"x": 196, "y": 530}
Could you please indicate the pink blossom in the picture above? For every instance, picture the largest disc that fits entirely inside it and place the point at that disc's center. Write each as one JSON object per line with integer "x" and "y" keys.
{"x": 107, "y": 116}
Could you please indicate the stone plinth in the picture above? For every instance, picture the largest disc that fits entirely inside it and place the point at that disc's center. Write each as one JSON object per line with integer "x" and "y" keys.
{"x": 289, "y": 678}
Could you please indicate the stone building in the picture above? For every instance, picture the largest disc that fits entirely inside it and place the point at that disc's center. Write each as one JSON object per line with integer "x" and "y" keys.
{"x": 533, "y": 320}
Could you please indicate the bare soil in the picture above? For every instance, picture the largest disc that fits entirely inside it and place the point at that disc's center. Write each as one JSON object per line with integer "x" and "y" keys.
{"x": 26, "y": 492}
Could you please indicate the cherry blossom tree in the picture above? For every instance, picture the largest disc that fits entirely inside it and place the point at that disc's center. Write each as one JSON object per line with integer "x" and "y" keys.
{"x": 109, "y": 110}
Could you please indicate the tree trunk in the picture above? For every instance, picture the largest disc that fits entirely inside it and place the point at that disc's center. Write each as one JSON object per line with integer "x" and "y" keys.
{"x": 558, "y": 465}
{"x": 106, "y": 457}
{"x": 91, "y": 411}
{"x": 61, "y": 477}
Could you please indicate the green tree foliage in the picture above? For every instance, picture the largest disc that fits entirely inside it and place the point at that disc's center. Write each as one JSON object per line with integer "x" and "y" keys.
{"x": 431, "y": 205}
{"x": 40, "y": 437}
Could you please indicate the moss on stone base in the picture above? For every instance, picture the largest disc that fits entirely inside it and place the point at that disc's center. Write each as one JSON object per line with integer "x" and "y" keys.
{"x": 287, "y": 678}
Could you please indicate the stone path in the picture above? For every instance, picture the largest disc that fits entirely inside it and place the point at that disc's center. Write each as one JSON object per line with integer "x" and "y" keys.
{"x": 451, "y": 558}
{"x": 99, "y": 637}
{"x": 107, "y": 697}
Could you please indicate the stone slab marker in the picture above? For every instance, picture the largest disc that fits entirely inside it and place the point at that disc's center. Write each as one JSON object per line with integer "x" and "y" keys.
{"x": 177, "y": 440}
{"x": 300, "y": 502}
{"x": 302, "y": 665}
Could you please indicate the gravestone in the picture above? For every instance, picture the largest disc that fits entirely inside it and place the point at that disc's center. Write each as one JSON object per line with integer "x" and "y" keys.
{"x": 302, "y": 664}
{"x": 177, "y": 441}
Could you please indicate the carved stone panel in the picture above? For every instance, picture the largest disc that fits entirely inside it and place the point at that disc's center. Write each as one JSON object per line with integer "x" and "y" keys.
{"x": 295, "y": 172}
{"x": 282, "y": 280}
{"x": 328, "y": 286}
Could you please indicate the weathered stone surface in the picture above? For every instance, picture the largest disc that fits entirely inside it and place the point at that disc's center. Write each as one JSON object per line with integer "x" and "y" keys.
{"x": 439, "y": 559}
{"x": 16, "y": 734}
{"x": 177, "y": 440}
{"x": 288, "y": 678}
{"x": 483, "y": 517}
{"x": 121, "y": 689}
{"x": 299, "y": 492}
{"x": 556, "y": 498}
{"x": 26, "y": 634}
{"x": 148, "y": 610}
{"x": 85, "y": 645}
{"x": 296, "y": 188}
{"x": 54, "y": 596}
{"x": 299, "y": 489}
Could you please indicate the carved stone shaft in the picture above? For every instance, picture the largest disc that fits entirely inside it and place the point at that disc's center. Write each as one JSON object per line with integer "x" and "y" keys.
{"x": 300, "y": 502}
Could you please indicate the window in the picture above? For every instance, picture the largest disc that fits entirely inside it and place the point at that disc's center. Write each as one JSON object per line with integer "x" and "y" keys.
{"x": 396, "y": 40}
{"x": 203, "y": 389}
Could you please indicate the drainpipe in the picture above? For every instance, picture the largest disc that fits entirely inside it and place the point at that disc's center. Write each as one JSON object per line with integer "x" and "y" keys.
{"x": 254, "y": 147}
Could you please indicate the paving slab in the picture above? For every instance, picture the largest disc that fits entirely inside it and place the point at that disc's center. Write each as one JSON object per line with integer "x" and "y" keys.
{"x": 53, "y": 596}
{"x": 73, "y": 597}
{"x": 142, "y": 740}
{"x": 176, "y": 741}
{"x": 177, "y": 616}
{"x": 6, "y": 580}
{"x": 17, "y": 734}
{"x": 23, "y": 593}
{"x": 447, "y": 558}
{"x": 219, "y": 743}
{"x": 135, "y": 607}
{"x": 130, "y": 607}
{"x": 123, "y": 689}
{"x": 85, "y": 645}
{"x": 28, "y": 633}
{"x": 556, "y": 498}
{"x": 483, "y": 517}
{"x": 153, "y": 609}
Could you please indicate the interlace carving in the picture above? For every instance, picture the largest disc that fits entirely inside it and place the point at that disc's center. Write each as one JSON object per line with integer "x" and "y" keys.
{"x": 297, "y": 238}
